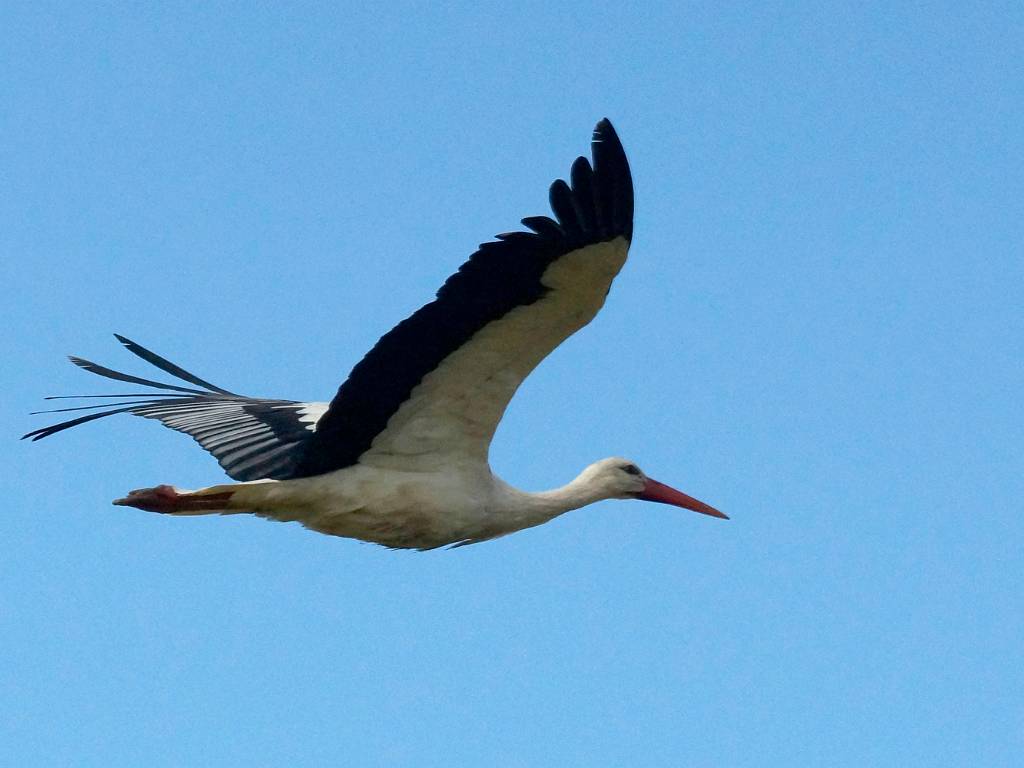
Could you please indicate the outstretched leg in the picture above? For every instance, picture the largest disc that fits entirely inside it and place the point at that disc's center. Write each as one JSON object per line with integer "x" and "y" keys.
{"x": 169, "y": 500}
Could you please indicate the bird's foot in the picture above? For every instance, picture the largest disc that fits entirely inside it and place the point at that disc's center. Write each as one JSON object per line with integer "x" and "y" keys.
{"x": 167, "y": 500}
{"x": 163, "y": 498}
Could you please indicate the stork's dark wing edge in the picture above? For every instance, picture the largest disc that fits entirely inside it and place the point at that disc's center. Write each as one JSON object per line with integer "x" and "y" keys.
{"x": 596, "y": 207}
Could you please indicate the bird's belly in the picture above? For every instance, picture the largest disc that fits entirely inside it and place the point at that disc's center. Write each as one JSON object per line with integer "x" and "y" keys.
{"x": 413, "y": 511}
{"x": 413, "y": 528}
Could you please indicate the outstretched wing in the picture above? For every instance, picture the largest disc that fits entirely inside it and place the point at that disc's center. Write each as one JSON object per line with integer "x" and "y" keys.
{"x": 252, "y": 438}
{"x": 436, "y": 386}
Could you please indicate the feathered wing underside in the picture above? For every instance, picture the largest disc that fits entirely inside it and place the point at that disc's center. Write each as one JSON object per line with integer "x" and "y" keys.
{"x": 455, "y": 410}
{"x": 438, "y": 383}
{"x": 251, "y": 438}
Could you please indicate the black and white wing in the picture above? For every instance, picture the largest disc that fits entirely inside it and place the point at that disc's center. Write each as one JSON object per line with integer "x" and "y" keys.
{"x": 252, "y": 438}
{"x": 435, "y": 387}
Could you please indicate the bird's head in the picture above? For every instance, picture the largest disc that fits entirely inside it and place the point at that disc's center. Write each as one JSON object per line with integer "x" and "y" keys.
{"x": 617, "y": 478}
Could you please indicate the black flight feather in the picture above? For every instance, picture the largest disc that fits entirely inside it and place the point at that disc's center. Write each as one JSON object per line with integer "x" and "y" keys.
{"x": 499, "y": 277}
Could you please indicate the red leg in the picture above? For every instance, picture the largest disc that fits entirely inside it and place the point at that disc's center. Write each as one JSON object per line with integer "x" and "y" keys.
{"x": 164, "y": 498}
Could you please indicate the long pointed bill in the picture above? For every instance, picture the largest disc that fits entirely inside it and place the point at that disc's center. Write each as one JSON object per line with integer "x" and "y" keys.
{"x": 655, "y": 491}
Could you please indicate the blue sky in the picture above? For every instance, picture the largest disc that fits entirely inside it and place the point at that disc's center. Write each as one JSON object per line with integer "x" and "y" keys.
{"x": 819, "y": 332}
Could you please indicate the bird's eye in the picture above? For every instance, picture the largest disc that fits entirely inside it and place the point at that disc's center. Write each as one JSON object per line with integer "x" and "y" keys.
{"x": 631, "y": 469}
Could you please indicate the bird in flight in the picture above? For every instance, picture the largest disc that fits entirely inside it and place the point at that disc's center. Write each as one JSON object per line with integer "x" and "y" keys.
{"x": 399, "y": 457}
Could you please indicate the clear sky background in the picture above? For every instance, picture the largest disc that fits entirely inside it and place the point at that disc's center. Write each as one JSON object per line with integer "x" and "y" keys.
{"x": 819, "y": 332}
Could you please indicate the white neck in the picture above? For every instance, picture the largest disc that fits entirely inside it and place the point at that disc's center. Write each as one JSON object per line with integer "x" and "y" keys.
{"x": 529, "y": 509}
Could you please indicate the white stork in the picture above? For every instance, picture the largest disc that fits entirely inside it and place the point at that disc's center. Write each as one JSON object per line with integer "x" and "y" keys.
{"x": 399, "y": 456}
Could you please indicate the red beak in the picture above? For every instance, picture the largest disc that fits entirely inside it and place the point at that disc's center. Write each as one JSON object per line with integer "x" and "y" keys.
{"x": 655, "y": 491}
